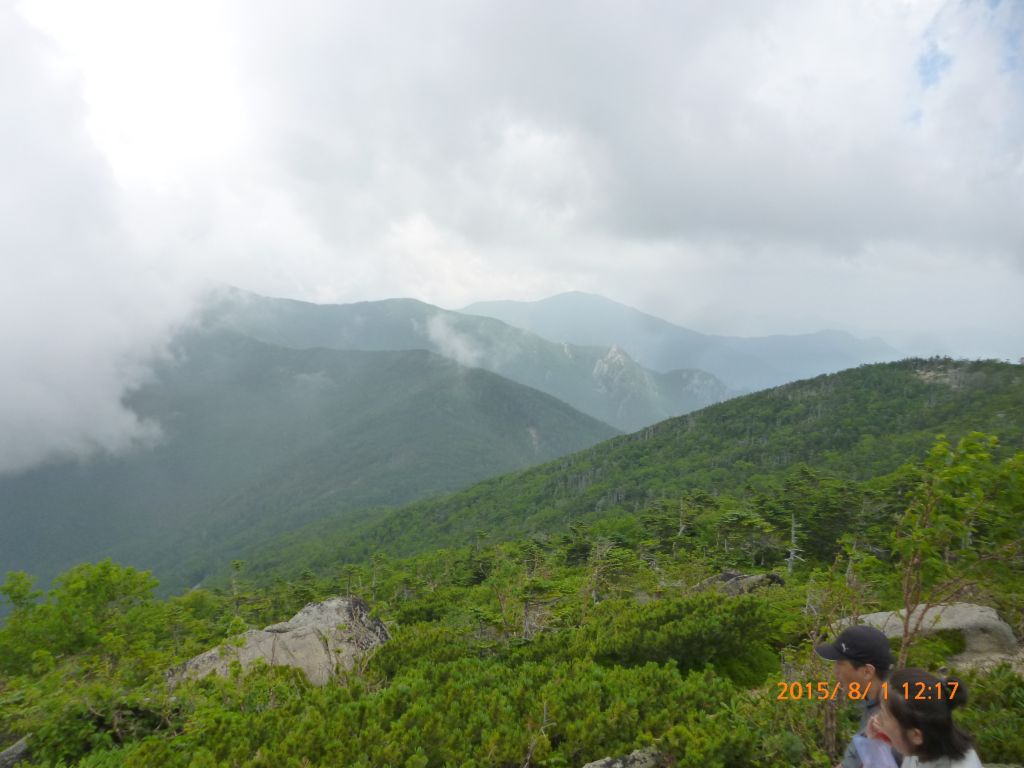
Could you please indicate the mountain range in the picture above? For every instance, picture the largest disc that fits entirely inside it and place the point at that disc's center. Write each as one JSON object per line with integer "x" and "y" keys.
{"x": 856, "y": 424}
{"x": 743, "y": 364}
{"x": 602, "y": 381}
{"x": 277, "y": 413}
{"x": 258, "y": 439}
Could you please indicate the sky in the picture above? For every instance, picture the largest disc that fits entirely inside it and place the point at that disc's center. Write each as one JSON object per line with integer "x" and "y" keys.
{"x": 736, "y": 168}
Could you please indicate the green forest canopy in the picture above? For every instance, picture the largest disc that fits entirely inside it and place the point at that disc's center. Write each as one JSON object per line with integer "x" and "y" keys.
{"x": 550, "y": 650}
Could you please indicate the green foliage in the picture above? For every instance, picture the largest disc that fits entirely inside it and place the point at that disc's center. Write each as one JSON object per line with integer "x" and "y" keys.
{"x": 261, "y": 439}
{"x": 995, "y": 714}
{"x": 89, "y": 607}
{"x": 552, "y": 650}
{"x": 17, "y": 590}
{"x": 828, "y": 450}
{"x": 732, "y": 634}
{"x": 934, "y": 650}
{"x": 962, "y": 521}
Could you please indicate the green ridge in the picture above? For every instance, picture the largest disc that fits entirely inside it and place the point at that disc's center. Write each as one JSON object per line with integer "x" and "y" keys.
{"x": 258, "y": 440}
{"x": 856, "y": 424}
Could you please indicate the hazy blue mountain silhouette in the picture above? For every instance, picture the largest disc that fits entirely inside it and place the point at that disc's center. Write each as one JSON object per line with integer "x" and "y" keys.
{"x": 742, "y": 363}
{"x": 600, "y": 380}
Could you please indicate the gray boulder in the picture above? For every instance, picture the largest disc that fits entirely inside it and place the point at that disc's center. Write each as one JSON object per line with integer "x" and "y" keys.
{"x": 15, "y": 754}
{"x": 736, "y": 583}
{"x": 319, "y": 639}
{"x": 984, "y": 632}
{"x": 641, "y": 758}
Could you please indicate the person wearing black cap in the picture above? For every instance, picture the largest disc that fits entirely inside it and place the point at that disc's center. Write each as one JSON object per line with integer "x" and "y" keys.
{"x": 861, "y": 655}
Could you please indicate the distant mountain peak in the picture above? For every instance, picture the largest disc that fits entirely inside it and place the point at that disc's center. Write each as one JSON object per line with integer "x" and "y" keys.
{"x": 617, "y": 373}
{"x": 743, "y": 364}
{"x": 617, "y": 356}
{"x": 557, "y": 368}
{"x": 584, "y": 295}
{"x": 566, "y": 300}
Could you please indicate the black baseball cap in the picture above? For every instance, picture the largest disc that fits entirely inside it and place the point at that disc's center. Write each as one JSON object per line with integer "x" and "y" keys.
{"x": 861, "y": 644}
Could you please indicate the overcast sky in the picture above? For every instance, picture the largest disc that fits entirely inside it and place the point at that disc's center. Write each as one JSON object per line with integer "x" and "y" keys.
{"x": 742, "y": 168}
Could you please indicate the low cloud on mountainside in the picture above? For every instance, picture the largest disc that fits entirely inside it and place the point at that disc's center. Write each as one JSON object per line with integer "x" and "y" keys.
{"x": 80, "y": 308}
{"x": 791, "y": 167}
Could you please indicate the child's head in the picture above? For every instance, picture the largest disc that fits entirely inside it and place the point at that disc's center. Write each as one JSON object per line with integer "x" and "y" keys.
{"x": 917, "y": 715}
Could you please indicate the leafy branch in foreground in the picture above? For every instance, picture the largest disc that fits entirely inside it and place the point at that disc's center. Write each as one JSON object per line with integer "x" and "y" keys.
{"x": 960, "y": 525}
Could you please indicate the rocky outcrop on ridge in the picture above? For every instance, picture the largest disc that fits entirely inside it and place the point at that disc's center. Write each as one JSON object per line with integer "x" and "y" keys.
{"x": 641, "y": 758}
{"x": 984, "y": 632}
{"x": 319, "y": 639}
{"x": 736, "y": 583}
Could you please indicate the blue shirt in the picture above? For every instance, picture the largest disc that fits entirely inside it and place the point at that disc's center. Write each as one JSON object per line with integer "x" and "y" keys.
{"x": 850, "y": 758}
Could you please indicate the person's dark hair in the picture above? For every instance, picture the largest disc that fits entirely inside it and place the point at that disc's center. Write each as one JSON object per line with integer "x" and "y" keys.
{"x": 882, "y": 672}
{"x": 930, "y": 711}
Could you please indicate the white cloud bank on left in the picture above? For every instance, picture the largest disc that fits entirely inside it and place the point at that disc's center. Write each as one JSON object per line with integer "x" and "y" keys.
{"x": 797, "y": 166}
{"x": 83, "y": 309}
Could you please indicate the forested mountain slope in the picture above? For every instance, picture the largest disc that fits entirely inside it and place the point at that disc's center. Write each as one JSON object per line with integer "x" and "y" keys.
{"x": 856, "y": 424}
{"x": 602, "y": 381}
{"x": 507, "y": 653}
{"x": 258, "y": 439}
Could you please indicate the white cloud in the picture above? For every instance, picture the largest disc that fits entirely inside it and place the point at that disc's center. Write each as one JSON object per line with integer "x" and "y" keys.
{"x": 778, "y": 167}
{"x": 81, "y": 311}
{"x": 531, "y": 130}
{"x": 453, "y": 344}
